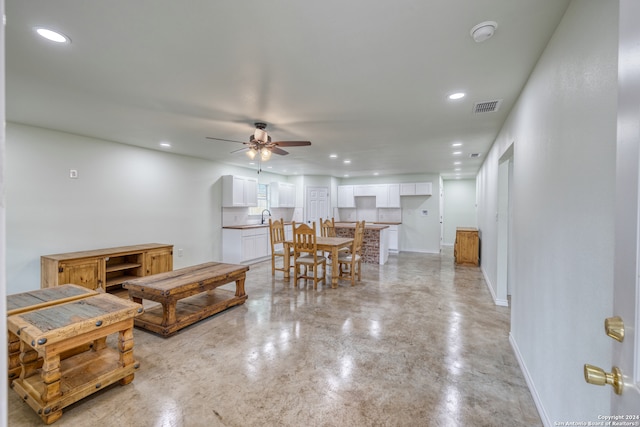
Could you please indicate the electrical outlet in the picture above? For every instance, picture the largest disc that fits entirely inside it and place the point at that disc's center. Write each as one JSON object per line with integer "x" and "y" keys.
{"x": 73, "y": 173}
{"x": 179, "y": 252}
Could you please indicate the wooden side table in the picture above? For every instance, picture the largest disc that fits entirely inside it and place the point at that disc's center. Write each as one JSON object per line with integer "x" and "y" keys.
{"x": 48, "y": 332}
{"x": 32, "y": 300}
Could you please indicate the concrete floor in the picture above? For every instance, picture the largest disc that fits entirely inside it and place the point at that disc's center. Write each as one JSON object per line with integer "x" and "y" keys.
{"x": 418, "y": 342}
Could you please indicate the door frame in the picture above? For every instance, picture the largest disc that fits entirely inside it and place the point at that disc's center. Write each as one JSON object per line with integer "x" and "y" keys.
{"x": 626, "y": 284}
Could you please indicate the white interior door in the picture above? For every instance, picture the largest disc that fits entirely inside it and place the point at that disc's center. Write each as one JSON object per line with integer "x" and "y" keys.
{"x": 626, "y": 297}
{"x": 317, "y": 205}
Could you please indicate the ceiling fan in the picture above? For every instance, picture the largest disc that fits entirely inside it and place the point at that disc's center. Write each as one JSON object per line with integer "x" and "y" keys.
{"x": 260, "y": 143}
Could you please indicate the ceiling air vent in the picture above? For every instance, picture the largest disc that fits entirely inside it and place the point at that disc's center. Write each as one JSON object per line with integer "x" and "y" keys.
{"x": 474, "y": 155}
{"x": 487, "y": 106}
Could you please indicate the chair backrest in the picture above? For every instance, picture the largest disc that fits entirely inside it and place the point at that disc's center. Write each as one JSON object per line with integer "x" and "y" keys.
{"x": 304, "y": 239}
{"x": 328, "y": 228}
{"x": 358, "y": 237}
{"x": 276, "y": 232}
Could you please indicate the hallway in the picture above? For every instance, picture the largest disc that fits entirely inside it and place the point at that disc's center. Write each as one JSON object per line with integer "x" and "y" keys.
{"x": 418, "y": 342}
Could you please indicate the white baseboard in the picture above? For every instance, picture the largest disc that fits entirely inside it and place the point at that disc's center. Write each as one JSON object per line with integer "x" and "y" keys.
{"x": 496, "y": 301}
{"x": 532, "y": 388}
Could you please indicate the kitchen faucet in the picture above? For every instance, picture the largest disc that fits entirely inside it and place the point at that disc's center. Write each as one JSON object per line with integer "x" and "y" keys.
{"x": 263, "y": 214}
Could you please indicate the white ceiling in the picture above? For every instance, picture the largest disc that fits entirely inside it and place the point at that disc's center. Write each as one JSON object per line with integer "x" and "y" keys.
{"x": 367, "y": 80}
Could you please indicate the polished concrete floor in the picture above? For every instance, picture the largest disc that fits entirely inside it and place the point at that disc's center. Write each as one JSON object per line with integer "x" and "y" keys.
{"x": 418, "y": 342}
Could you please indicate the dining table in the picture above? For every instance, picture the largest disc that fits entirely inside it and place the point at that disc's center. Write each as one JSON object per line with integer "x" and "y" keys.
{"x": 325, "y": 244}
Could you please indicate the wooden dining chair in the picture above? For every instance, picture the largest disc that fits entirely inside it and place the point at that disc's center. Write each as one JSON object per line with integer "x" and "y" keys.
{"x": 277, "y": 237}
{"x": 305, "y": 255}
{"x": 328, "y": 227}
{"x": 353, "y": 258}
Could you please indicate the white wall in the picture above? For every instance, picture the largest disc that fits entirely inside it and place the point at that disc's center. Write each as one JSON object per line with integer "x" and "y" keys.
{"x": 564, "y": 132}
{"x": 3, "y": 282}
{"x": 459, "y": 207}
{"x": 124, "y": 195}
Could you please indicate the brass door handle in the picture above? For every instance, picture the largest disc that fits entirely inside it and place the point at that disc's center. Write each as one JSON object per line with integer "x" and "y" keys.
{"x": 614, "y": 327}
{"x": 597, "y": 376}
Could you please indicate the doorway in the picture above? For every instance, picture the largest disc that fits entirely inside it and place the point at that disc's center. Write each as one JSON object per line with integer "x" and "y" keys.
{"x": 317, "y": 204}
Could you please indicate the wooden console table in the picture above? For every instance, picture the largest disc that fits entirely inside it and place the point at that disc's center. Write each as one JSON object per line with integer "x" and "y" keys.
{"x": 33, "y": 300}
{"x": 105, "y": 269}
{"x": 187, "y": 295}
{"x": 46, "y": 333}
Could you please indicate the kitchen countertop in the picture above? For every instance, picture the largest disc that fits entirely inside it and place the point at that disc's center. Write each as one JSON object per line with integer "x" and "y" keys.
{"x": 367, "y": 226}
{"x": 249, "y": 226}
{"x": 343, "y": 224}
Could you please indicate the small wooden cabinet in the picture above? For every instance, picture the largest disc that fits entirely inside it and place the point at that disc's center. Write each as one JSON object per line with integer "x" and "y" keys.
{"x": 467, "y": 246}
{"x": 105, "y": 269}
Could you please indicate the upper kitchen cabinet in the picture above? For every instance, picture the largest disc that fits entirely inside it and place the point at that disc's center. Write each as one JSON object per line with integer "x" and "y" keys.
{"x": 345, "y": 196}
{"x": 239, "y": 191}
{"x": 388, "y": 196}
{"x": 415, "y": 189}
{"x": 365, "y": 190}
{"x": 283, "y": 195}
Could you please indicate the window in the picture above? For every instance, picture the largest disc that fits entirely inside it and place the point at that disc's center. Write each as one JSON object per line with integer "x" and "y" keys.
{"x": 263, "y": 200}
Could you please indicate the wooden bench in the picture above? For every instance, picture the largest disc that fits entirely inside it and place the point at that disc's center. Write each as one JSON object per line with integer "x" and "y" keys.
{"x": 33, "y": 300}
{"x": 186, "y": 295}
{"x": 48, "y": 382}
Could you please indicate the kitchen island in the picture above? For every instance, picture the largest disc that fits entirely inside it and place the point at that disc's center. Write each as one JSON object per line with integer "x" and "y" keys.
{"x": 375, "y": 245}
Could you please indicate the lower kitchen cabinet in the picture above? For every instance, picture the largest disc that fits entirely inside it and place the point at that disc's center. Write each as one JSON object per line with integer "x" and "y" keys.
{"x": 244, "y": 245}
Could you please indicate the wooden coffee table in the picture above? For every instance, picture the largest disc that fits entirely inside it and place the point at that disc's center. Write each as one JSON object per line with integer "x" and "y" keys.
{"x": 186, "y": 295}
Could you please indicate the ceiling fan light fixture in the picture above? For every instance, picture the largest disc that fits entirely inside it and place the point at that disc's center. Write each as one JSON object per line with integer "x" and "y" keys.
{"x": 265, "y": 154}
{"x": 260, "y": 135}
{"x": 483, "y": 31}
{"x": 252, "y": 153}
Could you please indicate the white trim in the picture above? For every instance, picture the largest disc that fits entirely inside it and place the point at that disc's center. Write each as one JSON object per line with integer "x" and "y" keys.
{"x": 532, "y": 389}
{"x": 496, "y": 301}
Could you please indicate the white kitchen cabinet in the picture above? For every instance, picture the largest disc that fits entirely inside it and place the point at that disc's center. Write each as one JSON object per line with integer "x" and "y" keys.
{"x": 239, "y": 191}
{"x": 345, "y": 196}
{"x": 393, "y": 238}
{"x": 415, "y": 189}
{"x": 394, "y": 195}
{"x": 245, "y": 245}
{"x": 387, "y": 195}
{"x": 364, "y": 190}
{"x": 283, "y": 195}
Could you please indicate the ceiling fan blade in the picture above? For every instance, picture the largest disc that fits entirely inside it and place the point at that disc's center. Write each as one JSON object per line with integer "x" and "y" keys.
{"x": 292, "y": 143}
{"x": 240, "y": 149}
{"x": 222, "y": 139}
{"x": 280, "y": 151}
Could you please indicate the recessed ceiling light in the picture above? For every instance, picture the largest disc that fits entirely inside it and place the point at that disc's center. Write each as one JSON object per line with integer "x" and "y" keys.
{"x": 346, "y": 175}
{"x": 376, "y": 173}
{"x": 165, "y": 145}
{"x": 54, "y": 36}
{"x": 456, "y": 144}
{"x": 456, "y": 153}
{"x": 333, "y": 156}
{"x": 457, "y": 163}
{"x": 346, "y": 162}
{"x": 269, "y": 167}
{"x": 456, "y": 95}
{"x": 457, "y": 169}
